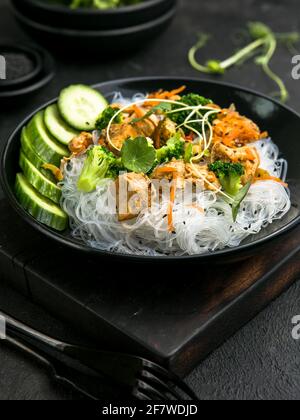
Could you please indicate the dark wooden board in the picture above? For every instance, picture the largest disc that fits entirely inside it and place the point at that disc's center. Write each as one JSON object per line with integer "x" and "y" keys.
{"x": 175, "y": 316}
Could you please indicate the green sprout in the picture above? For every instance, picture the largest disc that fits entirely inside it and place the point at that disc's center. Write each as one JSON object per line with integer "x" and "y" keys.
{"x": 263, "y": 46}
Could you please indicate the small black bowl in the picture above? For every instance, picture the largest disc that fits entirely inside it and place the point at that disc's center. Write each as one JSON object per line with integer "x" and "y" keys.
{"x": 104, "y": 41}
{"x": 59, "y": 15}
{"x": 22, "y": 91}
{"x": 34, "y": 63}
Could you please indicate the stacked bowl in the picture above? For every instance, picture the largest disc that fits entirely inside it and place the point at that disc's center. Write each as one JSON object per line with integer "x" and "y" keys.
{"x": 113, "y": 30}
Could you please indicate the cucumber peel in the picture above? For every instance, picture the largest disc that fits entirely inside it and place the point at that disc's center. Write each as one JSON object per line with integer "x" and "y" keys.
{"x": 39, "y": 207}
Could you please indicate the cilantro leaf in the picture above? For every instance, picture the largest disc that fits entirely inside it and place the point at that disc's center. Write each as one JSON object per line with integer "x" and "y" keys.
{"x": 138, "y": 155}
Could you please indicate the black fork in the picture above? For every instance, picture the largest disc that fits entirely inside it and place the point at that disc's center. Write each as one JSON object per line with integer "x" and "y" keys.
{"x": 85, "y": 369}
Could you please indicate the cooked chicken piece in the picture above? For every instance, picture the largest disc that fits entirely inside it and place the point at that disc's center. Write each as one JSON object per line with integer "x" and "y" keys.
{"x": 201, "y": 172}
{"x": 133, "y": 195}
{"x": 80, "y": 144}
{"x": 233, "y": 129}
{"x": 164, "y": 131}
{"x": 247, "y": 156}
{"x": 121, "y": 132}
{"x": 171, "y": 170}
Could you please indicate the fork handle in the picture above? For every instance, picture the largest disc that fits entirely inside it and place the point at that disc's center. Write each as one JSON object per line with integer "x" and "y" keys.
{"x": 15, "y": 328}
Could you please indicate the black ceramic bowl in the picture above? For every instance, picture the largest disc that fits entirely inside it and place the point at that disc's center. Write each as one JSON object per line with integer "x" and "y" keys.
{"x": 104, "y": 41}
{"x": 34, "y": 64}
{"x": 281, "y": 122}
{"x": 58, "y": 15}
{"x": 23, "y": 88}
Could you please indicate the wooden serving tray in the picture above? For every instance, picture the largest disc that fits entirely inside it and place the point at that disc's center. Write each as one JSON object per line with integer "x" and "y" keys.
{"x": 176, "y": 317}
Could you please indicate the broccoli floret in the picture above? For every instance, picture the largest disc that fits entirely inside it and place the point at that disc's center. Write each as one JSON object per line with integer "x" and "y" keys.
{"x": 192, "y": 99}
{"x": 229, "y": 175}
{"x": 173, "y": 149}
{"x": 105, "y": 117}
{"x": 99, "y": 164}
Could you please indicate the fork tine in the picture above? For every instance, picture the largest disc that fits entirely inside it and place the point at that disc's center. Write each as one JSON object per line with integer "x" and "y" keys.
{"x": 170, "y": 377}
{"x": 140, "y": 395}
{"x": 158, "y": 382}
{"x": 154, "y": 393}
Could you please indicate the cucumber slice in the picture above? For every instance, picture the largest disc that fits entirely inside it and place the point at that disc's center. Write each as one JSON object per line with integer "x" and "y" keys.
{"x": 80, "y": 106}
{"x": 33, "y": 157}
{"x": 43, "y": 143}
{"x": 42, "y": 209}
{"x": 38, "y": 180}
{"x": 57, "y": 126}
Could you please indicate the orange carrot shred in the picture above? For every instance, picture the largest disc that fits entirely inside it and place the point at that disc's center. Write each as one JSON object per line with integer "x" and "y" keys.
{"x": 55, "y": 170}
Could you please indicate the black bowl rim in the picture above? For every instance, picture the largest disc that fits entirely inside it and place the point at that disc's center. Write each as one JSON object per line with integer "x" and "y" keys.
{"x": 30, "y": 51}
{"x": 96, "y": 33}
{"x": 120, "y": 10}
{"x": 47, "y": 73}
{"x": 69, "y": 243}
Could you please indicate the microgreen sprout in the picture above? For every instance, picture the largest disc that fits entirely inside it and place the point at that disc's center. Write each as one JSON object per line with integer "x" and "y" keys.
{"x": 263, "y": 46}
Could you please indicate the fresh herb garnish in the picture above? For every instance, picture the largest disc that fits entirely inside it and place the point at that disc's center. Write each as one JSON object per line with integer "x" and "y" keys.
{"x": 138, "y": 155}
{"x": 263, "y": 46}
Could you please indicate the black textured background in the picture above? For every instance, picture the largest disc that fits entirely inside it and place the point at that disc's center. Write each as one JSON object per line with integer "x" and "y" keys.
{"x": 262, "y": 361}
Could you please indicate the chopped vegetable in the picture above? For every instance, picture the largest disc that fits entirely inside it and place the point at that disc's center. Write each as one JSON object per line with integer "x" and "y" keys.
{"x": 263, "y": 175}
{"x": 188, "y": 153}
{"x": 54, "y": 170}
{"x": 161, "y": 108}
{"x": 229, "y": 175}
{"x": 99, "y": 164}
{"x": 174, "y": 149}
{"x": 238, "y": 199}
{"x": 171, "y": 206}
{"x": 106, "y": 116}
{"x": 138, "y": 155}
{"x": 180, "y": 117}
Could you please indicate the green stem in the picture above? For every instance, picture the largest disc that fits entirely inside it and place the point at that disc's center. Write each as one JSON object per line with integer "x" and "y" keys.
{"x": 193, "y": 51}
{"x": 242, "y": 53}
{"x": 273, "y": 76}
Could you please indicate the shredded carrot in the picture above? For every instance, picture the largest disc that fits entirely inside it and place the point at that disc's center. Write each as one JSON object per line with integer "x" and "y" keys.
{"x": 138, "y": 111}
{"x": 166, "y": 94}
{"x": 233, "y": 129}
{"x": 262, "y": 175}
{"x": 161, "y": 94}
{"x": 165, "y": 169}
{"x": 171, "y": 206}
{"x": 55, "y": 170}
{"x": 272, "y": 178}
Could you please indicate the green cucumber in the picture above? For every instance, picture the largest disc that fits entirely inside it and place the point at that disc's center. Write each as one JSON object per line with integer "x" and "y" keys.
{"x": 42, "y": 209}
{"x": 38, "y": 180}
{"x": 43, "y": 143}
{"x": 80, "y": 106}
{"x": 57, "y": 126}
{"x": 33, "y": 157}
